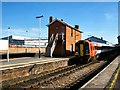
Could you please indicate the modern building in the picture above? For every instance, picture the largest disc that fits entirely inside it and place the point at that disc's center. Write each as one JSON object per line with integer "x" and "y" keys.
{"x": 62, "y": 38}
{"x": 18, "y": 41}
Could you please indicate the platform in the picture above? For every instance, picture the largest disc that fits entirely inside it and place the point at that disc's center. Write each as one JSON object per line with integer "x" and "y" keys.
{"x": 19, "y": 67}
{"x": 18, "y": 62}
{"x": 102, "y": 79}
{"x": 115, "y": 80}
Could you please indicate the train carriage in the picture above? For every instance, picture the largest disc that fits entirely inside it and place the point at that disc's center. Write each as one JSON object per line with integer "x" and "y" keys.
{"x": 87, "y": 50}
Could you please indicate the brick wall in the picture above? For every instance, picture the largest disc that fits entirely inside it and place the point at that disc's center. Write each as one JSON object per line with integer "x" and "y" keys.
{"x": 32, "y": 69}
{"x": 57, "y": 27}
{"x": 23, "y": 50}
{"x": 71, "y": 40}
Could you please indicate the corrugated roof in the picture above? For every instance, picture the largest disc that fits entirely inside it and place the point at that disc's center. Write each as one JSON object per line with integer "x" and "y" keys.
{"x": 64, "y": 24}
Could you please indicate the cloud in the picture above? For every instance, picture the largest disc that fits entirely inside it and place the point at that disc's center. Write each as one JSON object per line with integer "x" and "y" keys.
{"x": 31, "y": 32}
{"x": 108, "y": 16}
{"x": 34, "y": 30}
{"x": 15, "y": 31}
{"x": 0, "y": 31}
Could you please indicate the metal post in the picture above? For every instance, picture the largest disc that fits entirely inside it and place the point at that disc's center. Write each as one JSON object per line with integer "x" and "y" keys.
{"x": 39, "y": 38}
{"x": 39, "y": 18}
{"x": 8, "y": 45}
{"x": 26, "y": 40}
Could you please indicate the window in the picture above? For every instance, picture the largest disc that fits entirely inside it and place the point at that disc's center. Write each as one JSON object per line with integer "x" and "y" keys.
{"x": 71, "y": 48}
{"x": 56, "y": 27}
{"x": 71, "y": 32}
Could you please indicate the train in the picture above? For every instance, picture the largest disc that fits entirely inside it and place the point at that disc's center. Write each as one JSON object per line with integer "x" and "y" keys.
{"x": 88, "y": 51}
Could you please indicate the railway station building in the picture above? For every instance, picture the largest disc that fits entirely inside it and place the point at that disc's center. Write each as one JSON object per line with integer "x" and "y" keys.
{"x": 61, "y": 38}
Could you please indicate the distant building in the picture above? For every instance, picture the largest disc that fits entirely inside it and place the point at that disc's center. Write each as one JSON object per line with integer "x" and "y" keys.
{"x": 62, "y": 38}
{"x": 118, "y": 39}
{"x": 35, "y": 42}
{"x": 18, "y": 41}
{"x": 98, "y": 40}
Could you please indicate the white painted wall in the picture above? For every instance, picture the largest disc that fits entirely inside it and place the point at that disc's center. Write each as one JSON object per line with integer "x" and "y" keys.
{"x": 43, "y": 43}
{"x": 3, "y": 44}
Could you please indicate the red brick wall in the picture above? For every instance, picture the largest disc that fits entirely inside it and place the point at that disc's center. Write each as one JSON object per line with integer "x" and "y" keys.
{"x": 58, "y": 27}
{"x": 78, "y": 36}
{"x": 71, "y": 40}
{"x": 55, "y": 28}
{"x": 59, "y": 50}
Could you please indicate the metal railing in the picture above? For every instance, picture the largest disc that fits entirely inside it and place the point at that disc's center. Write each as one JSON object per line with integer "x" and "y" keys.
{"x": 54, "y": 44}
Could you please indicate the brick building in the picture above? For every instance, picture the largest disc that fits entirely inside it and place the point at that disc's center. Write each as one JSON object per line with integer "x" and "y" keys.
{"x": 61, "y": 38}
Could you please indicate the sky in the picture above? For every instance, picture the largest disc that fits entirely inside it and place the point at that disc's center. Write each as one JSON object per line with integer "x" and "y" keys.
{"x": 98, "y": 19}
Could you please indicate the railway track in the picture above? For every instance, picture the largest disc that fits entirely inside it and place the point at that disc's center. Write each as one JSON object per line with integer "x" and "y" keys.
{"x": 59, "y": 78}
{"x": 66, "y": 79}
{"x": 15, "y": 81}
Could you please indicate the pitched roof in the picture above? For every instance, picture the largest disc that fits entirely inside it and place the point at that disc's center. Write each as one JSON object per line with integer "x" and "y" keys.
{"x": 64, "y": 24}
{"x": 96, "y": 38}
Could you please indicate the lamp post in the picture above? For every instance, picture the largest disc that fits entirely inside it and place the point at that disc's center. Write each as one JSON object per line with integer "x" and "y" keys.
{"x": 39, "y": 18}
{"x": 26, "y": 41}
{"x": 8, "y": 45}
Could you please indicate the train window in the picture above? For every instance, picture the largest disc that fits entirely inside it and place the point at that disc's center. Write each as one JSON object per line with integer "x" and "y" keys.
{"x": 96, "y": 48}
{"x": 86, "y": 48}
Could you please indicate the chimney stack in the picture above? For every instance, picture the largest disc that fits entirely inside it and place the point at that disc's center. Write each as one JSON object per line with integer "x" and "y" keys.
{"x": 77, "y": 27}
{"x": 101, "y": 38}
{"x": 51, "y": 19}
{"x": 61, "y": 19}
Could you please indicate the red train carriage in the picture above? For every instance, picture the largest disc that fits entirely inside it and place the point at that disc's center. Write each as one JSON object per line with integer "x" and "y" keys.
{"x": 86, "y": 50}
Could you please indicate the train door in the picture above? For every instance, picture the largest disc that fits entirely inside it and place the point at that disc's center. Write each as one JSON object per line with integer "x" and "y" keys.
{"x": 81, "y": 49}
{"x": 86, "y": 51}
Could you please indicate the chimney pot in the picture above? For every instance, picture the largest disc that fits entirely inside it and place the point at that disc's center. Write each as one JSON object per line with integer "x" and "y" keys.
{"x": 101, "y": 38}
{"x": 77, "y": 26}
{"x": 61, "y": 19}
{"x": 51, "y": 19}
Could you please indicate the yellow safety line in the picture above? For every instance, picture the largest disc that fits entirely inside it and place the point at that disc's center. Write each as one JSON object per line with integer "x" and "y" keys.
{"x": 114, "y": 80}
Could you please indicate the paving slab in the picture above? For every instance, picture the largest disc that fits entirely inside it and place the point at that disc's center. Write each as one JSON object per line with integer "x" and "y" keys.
{"x": 102, "y": 79}
{"x": 16, "y": 62}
